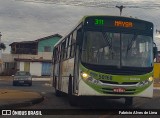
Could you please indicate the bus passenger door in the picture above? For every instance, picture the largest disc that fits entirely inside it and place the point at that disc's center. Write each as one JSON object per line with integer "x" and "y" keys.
{"x": 60, "y": 71}
{"x": 76, "y": 69}
{"x": 60, "y": 76}
{"x": 76, "y": 60}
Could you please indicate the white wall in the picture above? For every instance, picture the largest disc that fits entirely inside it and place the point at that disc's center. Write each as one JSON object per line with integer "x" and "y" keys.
{"x": 35, "y": 68}
{"x": 18, "y": 65}
{"x": 21, "y": 66}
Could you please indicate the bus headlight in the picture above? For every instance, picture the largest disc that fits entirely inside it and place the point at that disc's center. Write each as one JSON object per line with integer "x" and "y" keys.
{"x": 150, "y": 79}
{"x": 88, "y": 78}
{"x": 145, "y": 82}
{"x": 84, "y": 75}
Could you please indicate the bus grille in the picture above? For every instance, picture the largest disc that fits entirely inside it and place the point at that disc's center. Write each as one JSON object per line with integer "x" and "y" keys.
{"x": 124, "y": 83}
{"x": 108, "y": 82}
{"x": 129, "y": 83}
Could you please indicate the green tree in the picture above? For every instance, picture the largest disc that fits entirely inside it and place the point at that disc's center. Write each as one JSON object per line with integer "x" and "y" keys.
{"x": 2, "y": 46}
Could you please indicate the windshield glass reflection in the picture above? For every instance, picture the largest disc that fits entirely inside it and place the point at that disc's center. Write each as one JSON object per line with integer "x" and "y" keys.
{"x": 103, "y": 48}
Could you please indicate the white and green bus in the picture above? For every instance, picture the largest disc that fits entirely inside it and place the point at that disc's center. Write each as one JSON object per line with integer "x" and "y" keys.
{"x": 105, "y": 56}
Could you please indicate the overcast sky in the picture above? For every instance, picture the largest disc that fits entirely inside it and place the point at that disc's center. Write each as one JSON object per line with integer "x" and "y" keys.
{"x": 26, "y": 20}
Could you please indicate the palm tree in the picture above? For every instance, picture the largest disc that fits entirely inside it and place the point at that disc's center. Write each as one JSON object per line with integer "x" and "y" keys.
{"x": 2, "y": 46}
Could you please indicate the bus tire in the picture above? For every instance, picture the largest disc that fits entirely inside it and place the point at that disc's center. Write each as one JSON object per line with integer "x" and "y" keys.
{"x": 72, "y": 100}
{"x": 129, "y": 101}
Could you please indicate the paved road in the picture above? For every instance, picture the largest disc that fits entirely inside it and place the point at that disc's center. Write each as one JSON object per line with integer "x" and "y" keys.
{"x": 38, "y": 86}
{"x": 53, "y": 102}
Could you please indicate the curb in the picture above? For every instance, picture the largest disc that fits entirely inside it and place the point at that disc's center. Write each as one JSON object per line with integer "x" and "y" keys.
{"x": 41, "y": 79}
{"x": 22, "y": 104}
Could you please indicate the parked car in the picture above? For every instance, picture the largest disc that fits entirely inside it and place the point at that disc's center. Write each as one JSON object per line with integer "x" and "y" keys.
{"x": 22, "y": 78}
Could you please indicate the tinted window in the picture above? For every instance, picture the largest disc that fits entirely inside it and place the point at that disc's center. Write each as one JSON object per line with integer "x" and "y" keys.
{"x": 22, "y": 74}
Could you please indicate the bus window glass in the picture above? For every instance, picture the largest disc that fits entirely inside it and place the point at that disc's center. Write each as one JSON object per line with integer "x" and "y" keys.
{"x": 59, "y": 53}
{"x": 99, "y": 47}
{"x": 137, "y": 52}
{"x": 103, "y": 48}
{"x": 63, "y": 50}
{"x": 69, "y": 47}
{"x": 73, "y": 40}
{"x": 74, "y": 36}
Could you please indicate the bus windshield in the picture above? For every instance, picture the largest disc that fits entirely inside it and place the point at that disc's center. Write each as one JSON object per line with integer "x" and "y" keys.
{"x": 117, "y": 49}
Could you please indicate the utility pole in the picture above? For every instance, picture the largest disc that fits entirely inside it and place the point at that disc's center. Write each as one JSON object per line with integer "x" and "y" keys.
{"x": 120, "y": 8}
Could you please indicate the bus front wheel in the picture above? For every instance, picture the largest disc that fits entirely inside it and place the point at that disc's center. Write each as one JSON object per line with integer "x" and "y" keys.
{"x": 129, "y": 101}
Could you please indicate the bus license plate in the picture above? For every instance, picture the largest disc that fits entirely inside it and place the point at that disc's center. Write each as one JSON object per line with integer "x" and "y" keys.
{"x": 119, "y": 90}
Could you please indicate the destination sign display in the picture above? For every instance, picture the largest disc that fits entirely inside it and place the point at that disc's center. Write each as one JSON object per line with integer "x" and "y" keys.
{"x": 117, "y": 22}
{"x": 125, "y": 24}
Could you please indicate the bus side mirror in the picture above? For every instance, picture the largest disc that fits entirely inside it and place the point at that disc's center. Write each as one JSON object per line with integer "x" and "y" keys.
{"x": 155, "y": 50}
{"x": 79, "y": 37}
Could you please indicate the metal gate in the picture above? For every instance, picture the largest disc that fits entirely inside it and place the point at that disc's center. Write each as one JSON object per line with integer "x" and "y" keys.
{"x": 46, "y": 69}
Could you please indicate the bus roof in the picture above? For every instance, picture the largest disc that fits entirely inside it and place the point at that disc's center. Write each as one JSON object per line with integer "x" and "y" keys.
{"x": 87, "y": 16}
{"x": 132, "y": 18}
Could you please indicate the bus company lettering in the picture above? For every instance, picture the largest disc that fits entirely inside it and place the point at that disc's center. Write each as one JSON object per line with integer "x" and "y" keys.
{"x": 134, "y": 78}
{"x": 101, "y": 76}
{"x": 95, "y": 75}
{"x": 105, "y": 77}
{"x": 123, "y": 24}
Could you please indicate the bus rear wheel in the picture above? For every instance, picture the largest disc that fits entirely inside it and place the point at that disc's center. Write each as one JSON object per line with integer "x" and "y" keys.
{"x": 129, "y": 101}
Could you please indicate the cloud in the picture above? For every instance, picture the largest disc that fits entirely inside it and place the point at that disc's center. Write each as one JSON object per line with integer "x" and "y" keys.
{"x": 21, "y": 20}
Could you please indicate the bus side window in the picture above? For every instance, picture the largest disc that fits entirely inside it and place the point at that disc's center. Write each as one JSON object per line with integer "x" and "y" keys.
{"x": 74, "y": 36}
{"x": 59, "y": 53}
{"x": 70, "y": 55}
{"x": 55, "y": 56}
{"x": 72, "y": 49}
{"x": 73, "y": 43}
{"x": 63, "y": 49}
{"x": 69, "y": 46}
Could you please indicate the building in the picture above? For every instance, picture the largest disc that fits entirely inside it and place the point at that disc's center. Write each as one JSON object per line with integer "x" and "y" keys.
{"x": 157, "y": 66}
{"x": 33, "y": 56}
